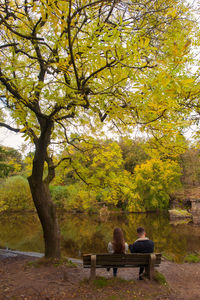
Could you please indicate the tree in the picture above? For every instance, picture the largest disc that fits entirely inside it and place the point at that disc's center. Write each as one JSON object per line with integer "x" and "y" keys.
{"x": 133, "y": 153}
{"x": 10, "y": 161}
{"x": 70, "y": 65}
{"x": 154, "y": 181}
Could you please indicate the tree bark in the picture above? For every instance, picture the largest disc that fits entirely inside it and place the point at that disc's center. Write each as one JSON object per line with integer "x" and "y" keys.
{"x": 47, "y": 214}
{"x": 41, "y": 195}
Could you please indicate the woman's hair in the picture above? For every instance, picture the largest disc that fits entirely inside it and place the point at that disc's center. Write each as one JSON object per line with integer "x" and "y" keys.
{"x": 118, "y": 241}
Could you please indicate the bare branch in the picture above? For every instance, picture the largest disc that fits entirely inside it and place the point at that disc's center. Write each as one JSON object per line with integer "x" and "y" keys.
{"x": 8, "y": 45}
{"x": 75, "y": 170}
{"x": 9, "y": 127}
{"x": 70, "y": 46}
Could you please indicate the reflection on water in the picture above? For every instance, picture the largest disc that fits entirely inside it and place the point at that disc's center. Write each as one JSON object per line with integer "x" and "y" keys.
{"x": 86, "y": 234}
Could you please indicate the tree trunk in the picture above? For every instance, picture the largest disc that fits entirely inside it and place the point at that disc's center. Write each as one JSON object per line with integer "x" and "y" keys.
{"x": 41, "y": 195}
{"x": 47, "y": 214}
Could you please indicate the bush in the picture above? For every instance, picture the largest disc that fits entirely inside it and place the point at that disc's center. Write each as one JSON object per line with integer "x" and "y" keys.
{"x": 154, "y": 181}
{"x": 80, "y": 198}
{"x": 160, "y": 278}
{"x": 15, "y": 194}
{"x": 59, "y": 194}
{"x": 192, "y": 258}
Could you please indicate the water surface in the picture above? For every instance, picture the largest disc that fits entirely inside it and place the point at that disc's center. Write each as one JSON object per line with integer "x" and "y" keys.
{"x": 82, "y": 233}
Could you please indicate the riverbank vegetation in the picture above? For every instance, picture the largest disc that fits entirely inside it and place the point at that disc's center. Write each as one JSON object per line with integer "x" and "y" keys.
{"x": 123, "y": 175}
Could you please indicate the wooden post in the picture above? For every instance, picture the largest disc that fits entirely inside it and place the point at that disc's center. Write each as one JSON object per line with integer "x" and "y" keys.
{"x": 93, "y": 267}
{"x": 150, "y": 268}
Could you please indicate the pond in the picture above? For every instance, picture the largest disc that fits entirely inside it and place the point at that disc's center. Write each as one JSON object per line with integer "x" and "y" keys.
{"x": 82, "y": 233}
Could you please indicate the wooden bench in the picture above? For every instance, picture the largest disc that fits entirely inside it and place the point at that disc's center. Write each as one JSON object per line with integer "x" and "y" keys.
{"x": 133, "y": 260}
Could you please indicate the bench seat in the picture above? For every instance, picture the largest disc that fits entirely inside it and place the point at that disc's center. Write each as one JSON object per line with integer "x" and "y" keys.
{"x": 132, "y": 260}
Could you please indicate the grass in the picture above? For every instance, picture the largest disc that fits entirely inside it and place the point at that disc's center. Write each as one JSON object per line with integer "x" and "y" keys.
{"x": 100, "y": 282}
{"x": 170, "y": 257}
{"x": 51, "y": 261}
{"x": 159, "y": 278}
{"x": 121, "y": 289}
{"x": 192, "y": 258}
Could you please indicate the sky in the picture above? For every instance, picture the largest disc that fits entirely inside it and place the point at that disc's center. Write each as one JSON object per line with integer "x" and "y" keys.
{"x": 11, "y": 139}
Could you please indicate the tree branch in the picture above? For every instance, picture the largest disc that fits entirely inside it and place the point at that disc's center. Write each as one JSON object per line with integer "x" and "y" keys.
{"x": 9, "y": 127}
{"x": 8, "y": 45}
{"x": 99, "y": 70}
{"x": 27, "y": 37}
{"x": 70, "y": 46}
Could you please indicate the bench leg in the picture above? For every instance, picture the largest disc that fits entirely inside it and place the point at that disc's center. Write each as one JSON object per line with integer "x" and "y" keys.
{"x": 93, "y": 268}
{"x": 150, "y": 267}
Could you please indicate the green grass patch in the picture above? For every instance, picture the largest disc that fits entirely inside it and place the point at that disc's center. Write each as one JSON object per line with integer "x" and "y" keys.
{"x": 64, "y": 261}
{"x": 192, "y": 258}
{"x": 170, "y": 257}
{"x": 159, "y": 278}
{"x": 101, "y": 282}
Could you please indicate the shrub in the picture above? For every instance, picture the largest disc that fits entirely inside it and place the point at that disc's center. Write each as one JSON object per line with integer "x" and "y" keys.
{"x": 154, "y": 181}
{"x": 192, "y": 258}
{"x": 15, "y": 194}
{"x": 59, "y": 194}
{"x": 159, "y": 277}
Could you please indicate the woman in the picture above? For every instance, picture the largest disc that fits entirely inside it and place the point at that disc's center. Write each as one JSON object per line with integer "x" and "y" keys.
{"x": 117, "y": 246}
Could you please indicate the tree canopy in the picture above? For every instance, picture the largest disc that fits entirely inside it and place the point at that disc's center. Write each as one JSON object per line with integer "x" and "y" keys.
{"x": 68, "y": 67}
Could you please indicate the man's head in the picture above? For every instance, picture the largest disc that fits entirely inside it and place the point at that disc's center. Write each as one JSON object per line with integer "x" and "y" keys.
{"x": 141, "y": 232}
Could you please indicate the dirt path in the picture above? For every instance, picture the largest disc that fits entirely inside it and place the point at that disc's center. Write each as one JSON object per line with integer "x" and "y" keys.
{"x": 20, "y": 280}
{"x": 183, "y": 279}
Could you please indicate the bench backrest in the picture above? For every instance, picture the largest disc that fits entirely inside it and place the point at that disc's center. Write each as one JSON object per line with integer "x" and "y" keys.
{"x": 133, "y": 259}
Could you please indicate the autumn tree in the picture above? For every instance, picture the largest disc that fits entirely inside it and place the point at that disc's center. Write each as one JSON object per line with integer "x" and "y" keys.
{"x": 154, "y": 181}
{"x": 10, "y": 161}
{"x": 70, "y": 65}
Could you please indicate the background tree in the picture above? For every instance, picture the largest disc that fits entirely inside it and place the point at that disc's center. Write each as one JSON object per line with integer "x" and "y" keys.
{"x": 154, "y": 181}
{"x": 10, "y": 161}
{"x": 133, "y": 152}
{"x": 70, "y": 65}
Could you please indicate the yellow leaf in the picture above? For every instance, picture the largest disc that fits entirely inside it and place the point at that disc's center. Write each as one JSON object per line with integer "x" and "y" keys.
{"x": 188, "y": 81}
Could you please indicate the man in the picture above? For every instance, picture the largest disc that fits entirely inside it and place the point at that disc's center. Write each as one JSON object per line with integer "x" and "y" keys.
{"x": 142, "y": 245}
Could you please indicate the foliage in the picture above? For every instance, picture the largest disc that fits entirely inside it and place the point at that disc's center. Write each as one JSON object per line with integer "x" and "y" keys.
{"x": 159, "y": 277}
{"x": 100, "y": 176}
{"x": 190, "y": 163}
{"x": 15, "y": 194}
{"x": 64, "y": 261}
{"x": 101, "y": 282}
{"x": 133, "y": 152}
{"x": 180, "y": 213}
{"x": 59, "y": 194}
{"x": 69, "y": 67}
{"x": 79, "y": 198}
{"x": 192, "y": 258}
{"x": 10, "y": 161}
{"x": 154, "y": 180}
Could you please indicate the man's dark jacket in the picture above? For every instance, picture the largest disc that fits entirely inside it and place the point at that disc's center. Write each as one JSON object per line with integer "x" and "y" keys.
{"x": 142, "y": 246}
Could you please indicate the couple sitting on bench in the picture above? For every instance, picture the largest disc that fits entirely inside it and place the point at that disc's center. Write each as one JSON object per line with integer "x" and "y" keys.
{"x": 141, "y": 245}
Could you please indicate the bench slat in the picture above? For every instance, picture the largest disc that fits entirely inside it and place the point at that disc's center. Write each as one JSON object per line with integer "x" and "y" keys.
{"x": 122, "y": 266}
{"x": 105, "y": 259}
{"x": 133, "y": 260}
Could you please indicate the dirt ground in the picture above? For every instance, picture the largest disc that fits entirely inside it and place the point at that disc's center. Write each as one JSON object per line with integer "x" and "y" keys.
{"x": 21, "y": 280}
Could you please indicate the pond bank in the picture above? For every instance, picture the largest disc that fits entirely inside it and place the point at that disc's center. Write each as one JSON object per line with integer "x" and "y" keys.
{"x": 19, "y": 279}
{"x": 6, "y": 253}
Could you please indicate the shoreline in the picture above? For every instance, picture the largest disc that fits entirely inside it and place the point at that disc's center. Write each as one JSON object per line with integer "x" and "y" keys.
{"x": 6, "y": 253}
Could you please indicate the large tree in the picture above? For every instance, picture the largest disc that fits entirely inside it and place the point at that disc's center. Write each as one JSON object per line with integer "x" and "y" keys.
{"x": 66, "y": 64}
